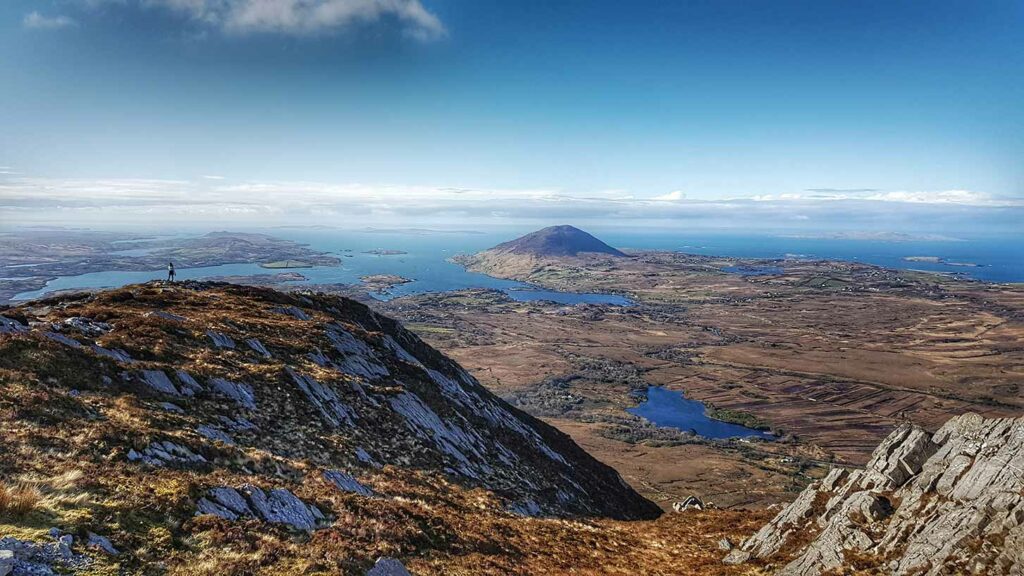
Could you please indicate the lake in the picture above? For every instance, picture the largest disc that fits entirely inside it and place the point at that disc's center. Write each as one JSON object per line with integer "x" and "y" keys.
{"x": 671, "y": 409}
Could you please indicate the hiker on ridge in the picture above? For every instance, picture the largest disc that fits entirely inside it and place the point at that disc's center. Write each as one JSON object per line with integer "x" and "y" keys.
{"x": 170, "y": 271}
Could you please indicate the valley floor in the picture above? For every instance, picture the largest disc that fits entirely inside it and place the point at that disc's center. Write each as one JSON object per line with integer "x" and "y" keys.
{"x": 832, "y": 355}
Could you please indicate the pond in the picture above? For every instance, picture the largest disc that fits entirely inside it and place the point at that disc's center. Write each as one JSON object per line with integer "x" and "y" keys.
{"x": 671, "y": 409}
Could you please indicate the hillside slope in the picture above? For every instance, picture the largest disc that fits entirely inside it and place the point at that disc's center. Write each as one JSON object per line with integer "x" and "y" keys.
{"x": 153, "y": 414}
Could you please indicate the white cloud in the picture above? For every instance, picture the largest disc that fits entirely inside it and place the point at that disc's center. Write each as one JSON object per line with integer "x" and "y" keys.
{"x": 938, "y": 197}
{"x": 37, "y": 21}
{"x": 674, "y": 196}
{"x": 305, "y": 17}
{"x": 967, "y": 197}
{"x": 212, "y": 177}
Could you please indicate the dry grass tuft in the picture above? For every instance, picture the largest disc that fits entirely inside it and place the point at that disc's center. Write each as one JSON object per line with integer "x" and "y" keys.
{"x": 18, "y": 500}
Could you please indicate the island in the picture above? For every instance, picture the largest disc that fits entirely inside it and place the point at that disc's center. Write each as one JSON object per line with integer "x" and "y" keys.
{"x": 382, "y": 283}
{"x": 939, "y": 260}
{"x": 382, "y": 252}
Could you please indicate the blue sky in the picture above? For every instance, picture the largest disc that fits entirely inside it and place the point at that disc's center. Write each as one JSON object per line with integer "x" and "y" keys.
{"x": 808, "y": 114}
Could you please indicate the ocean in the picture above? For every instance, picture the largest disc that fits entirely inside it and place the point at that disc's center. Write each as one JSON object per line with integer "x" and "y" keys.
{"x": 425, "y": 259}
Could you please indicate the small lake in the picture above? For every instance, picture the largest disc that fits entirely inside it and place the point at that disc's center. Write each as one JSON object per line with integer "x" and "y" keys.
{"x": 671, "y": 409}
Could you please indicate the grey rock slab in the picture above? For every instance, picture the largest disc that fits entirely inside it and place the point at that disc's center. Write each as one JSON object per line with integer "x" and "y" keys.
{"x": 63, "y": 339}
{"x": 256, "y": 346}
{"x": 335, "y": 411}
{"x": 230, "y": 499}
{"x": 166, "y": 453}
{"x": 346, "y": 482}
{"x": 115, "y": 354}
{"x": 388, "y": 567}
{"x": 189, "y": 386}
{"x": 239, "y": 392}
{"x": 11, "y": 326}
{"x": 293, "y": 311}
{"x": 221, "y": 340}
{"x": 102, "y": 543}
{"x": 158, "y": 380}
{"x": 282, "y": 507}
{"x": 165, "y": 316}
{"x": 215, "y": 434}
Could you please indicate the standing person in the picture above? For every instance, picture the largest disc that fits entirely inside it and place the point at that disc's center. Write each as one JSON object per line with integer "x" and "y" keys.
{"x": 170, "y": 271}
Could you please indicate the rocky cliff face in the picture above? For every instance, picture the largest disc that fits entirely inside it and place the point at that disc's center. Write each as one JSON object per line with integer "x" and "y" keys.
{"x": 177, "y": 406}
{"x": 945, "y": 503}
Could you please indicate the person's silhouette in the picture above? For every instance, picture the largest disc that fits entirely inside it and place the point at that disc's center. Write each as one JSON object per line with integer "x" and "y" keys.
{"x": 170, "y": 271}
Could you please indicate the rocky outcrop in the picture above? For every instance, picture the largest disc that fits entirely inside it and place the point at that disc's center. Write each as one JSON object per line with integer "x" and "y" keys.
{"x": 949, "y": 502}
{"x": 165, "y": 453}
{"x": 278, "y": 506}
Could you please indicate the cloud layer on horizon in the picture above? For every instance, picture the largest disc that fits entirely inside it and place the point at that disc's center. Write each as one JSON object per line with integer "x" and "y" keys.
{"x": 120, "y": 201}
